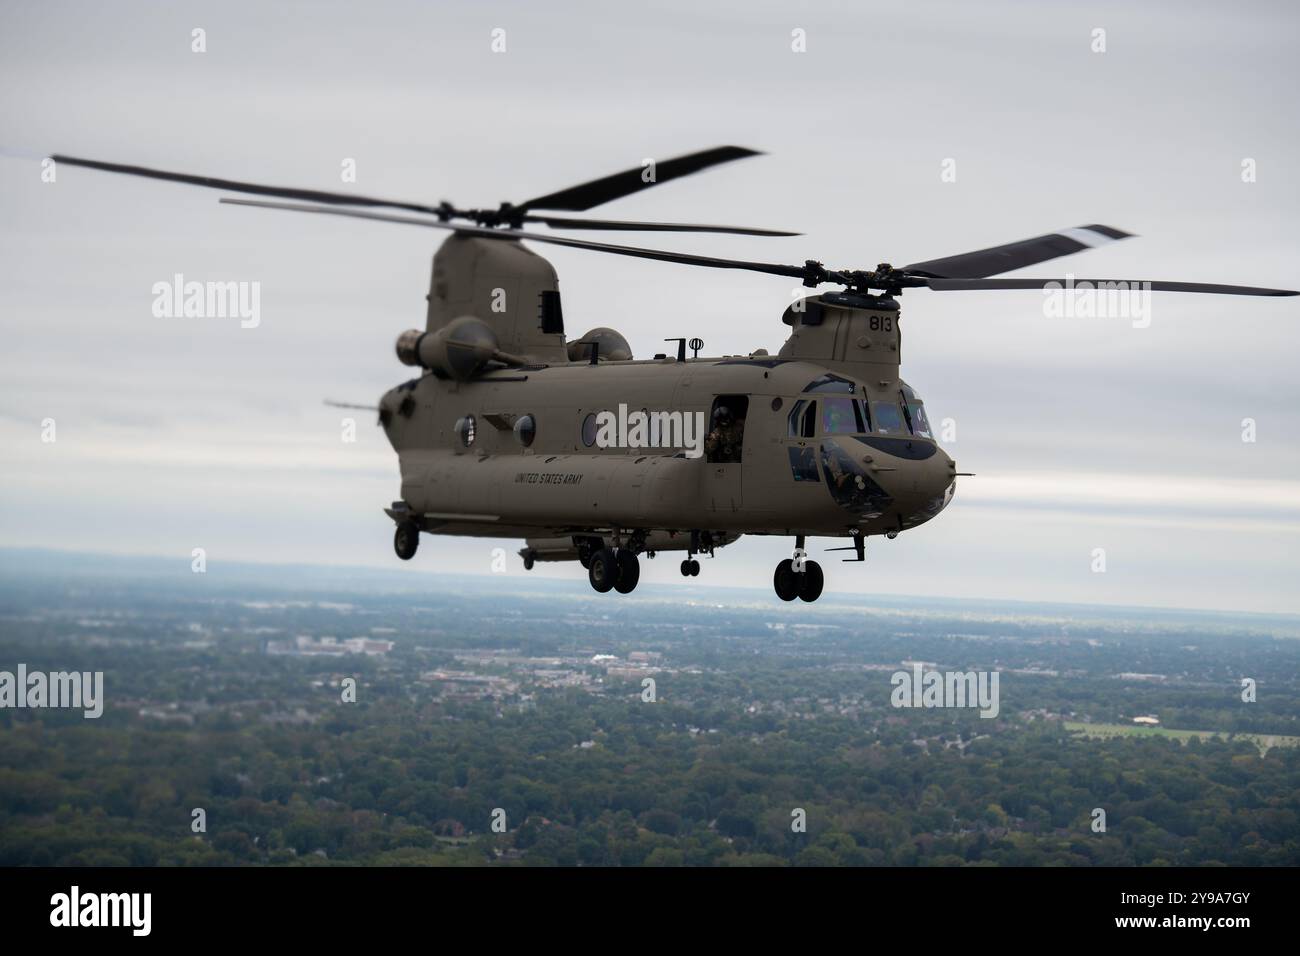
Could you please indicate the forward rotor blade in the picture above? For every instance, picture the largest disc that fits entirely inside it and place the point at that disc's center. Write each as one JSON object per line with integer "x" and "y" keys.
{"x": 669, "y": 170}
{"x": 661, "y": 255}
{"x": 587, "y": 195}
{"x": 965, "y": 285}
{"x": 564, "y": 222}
{"x": 232, "y": 185}
{"x": 1016, "y": 255}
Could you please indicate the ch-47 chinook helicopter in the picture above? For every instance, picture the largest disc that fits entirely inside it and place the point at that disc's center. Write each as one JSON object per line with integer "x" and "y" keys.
{"x": 513, "y": 430}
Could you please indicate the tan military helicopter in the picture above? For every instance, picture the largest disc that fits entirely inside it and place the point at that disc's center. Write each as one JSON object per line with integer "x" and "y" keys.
{"x": 513, "y": 430}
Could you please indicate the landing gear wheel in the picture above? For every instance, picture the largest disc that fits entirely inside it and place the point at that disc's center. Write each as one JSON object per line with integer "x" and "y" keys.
{"x": 785, "y": 581}
{"x": 406, "y": 540}
{"x": 686, "y": 568}
{"x": 528, "y": 562}
{"x": 811, "y": 581}
{"x": 629, "y": 572}
{"x": 602, "y": 569}
{"x": 695, "y": 568}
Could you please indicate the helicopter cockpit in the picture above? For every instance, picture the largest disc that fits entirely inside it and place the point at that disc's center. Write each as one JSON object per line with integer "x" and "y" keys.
{"x": 842, "y": 413}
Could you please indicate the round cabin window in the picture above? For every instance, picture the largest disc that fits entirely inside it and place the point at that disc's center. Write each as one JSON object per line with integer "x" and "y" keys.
{"x": 465, "y": 430}
{"x": 589, "y": 430}
{"x": 525, "y": 430}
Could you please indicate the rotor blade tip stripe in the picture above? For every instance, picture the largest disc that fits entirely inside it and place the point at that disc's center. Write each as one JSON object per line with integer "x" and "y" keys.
{"x": 1109, "y": 231}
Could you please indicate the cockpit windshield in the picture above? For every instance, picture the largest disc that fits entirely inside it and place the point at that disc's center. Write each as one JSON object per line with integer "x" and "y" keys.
{"x": 889, "y": 418}
{"x": 831, "y": 383}
{"x": 843, "y": 416}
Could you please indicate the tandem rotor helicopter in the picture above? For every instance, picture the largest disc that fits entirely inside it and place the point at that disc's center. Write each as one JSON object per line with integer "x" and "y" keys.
{"x": 512, "y": 429}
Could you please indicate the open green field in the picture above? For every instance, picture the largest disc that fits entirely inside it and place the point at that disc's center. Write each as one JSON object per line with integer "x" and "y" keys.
{"x": 1263, "y": 741}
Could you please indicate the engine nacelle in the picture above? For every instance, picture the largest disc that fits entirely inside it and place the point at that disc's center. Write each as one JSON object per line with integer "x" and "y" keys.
{"x": 457, "y": 350}
{"x": 610, "y": 344}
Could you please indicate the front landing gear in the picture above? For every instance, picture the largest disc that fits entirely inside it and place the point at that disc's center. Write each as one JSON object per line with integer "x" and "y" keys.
{"x": 701, "y": 541}
{"x": 798, "y": 577}
{"x": 406, "y": 540}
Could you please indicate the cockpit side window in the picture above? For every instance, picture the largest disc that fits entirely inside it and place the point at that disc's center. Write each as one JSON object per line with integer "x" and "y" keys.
{"x": 914, "y": 410}
{"x": 803, "y": 419}
{"x": 920, "y": 423}
{"x": 795, "y": 417}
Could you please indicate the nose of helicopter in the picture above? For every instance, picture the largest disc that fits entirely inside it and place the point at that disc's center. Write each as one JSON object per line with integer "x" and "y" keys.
{"x": 949, "y": 486}
{"x": 948, "y": 468}
{"x": 937, "y": 487}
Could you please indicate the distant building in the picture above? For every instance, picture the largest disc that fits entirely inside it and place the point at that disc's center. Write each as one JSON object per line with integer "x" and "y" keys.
{"x": 630, "y": 673}
{"x": 462, "y": 685}
{"x": 306, "y": 646}
{"x": 1150, "y": 721}
{"x": 1131, "y": 675}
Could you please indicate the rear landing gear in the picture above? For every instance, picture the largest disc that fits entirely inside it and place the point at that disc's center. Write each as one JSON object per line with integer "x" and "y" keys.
{"x": 798, "y": 577}
{"x": 406, "y": 540}
{"x": 690, "y": 568}
{"x": 629, "y": 572}
{"x": 608, "y": 570}
{"x": 602, "y": 569}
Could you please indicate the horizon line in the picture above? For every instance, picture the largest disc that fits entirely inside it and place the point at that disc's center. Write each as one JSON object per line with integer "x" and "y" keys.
{"x": 415, "y": 574}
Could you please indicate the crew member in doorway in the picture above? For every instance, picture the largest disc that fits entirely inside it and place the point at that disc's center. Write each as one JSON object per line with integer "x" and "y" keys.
{"x": 725, "y": 439}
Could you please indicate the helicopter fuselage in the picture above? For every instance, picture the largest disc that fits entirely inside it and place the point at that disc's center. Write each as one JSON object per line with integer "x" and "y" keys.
{"x": 809, "y": 450}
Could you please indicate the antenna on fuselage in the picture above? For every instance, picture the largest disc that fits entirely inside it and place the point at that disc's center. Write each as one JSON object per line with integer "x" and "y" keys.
{"x": 681, "y": 348}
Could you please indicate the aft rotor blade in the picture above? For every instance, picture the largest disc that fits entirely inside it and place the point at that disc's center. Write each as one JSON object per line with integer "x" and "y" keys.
{"x": 587, "y": 195}
{"x": 810, "y": 273}
{"x": 1016, "y": 255}
{"x": 233, "y": 185}
{"x": 965, "y": 285}
{"x": 770, "y": 268}
{"x": 564, "y": 222}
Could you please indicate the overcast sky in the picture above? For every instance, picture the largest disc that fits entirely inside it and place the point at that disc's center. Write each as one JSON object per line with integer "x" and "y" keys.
{"x": 1084, "y": 433}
